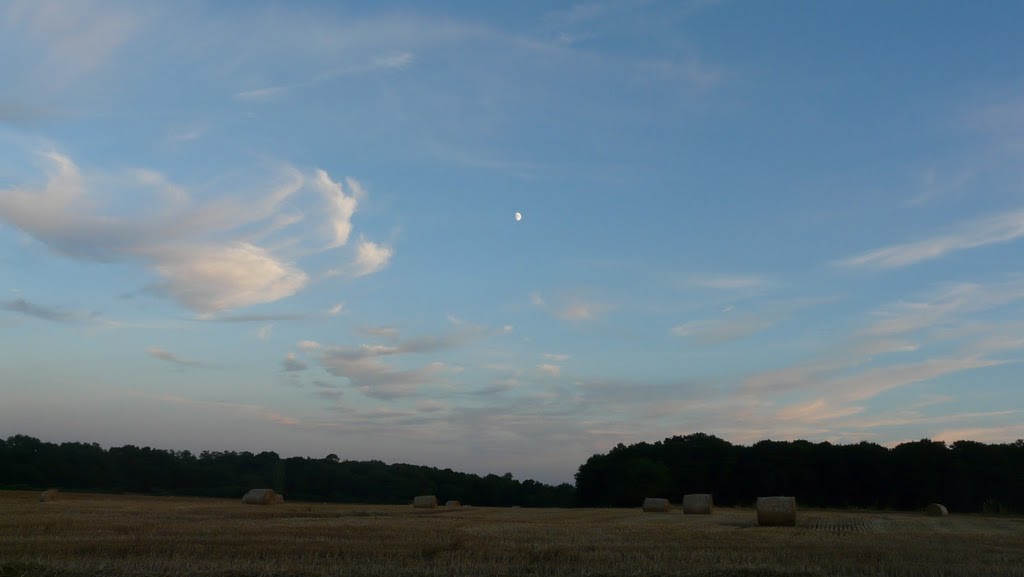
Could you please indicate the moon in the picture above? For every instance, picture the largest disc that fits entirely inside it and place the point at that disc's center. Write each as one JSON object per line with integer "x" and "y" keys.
{"x": 519, "y": 216}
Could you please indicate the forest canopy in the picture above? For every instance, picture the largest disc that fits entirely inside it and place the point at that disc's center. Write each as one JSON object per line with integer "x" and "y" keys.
{"x": 966, "y": 476}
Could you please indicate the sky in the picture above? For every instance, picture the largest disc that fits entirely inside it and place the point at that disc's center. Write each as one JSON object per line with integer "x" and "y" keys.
{"x": 290, "y": 226}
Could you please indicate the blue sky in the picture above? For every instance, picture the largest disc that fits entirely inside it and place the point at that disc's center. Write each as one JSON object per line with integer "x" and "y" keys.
{"x": 290, "y": 226}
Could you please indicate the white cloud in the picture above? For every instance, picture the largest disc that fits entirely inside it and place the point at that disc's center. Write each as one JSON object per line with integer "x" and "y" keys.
{"x": 309, "y": 345}
{"x": 263, "y": 333}
{"x": 340, "y": 207}
{"x": 996, "y": 229}
{"x": 550, "y": 369}
{"x": 205, "y": 254}
{"x": 556, "y": 357}
{"x": 371, "y": 257}
{"x": 211, "y": 278}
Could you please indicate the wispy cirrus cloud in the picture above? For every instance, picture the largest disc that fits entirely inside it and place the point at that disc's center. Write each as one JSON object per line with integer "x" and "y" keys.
{"x": 204, "y": 254}
{"x": 43, "y": 312}
{"x": 366, "y": 367}
{"x": 718, "y": 331}
{"x": 573, "y": 308}
{"x": 219, "y": 406}
{"x": 380, "y": 62}
{"x": 732, "y": 325}
{"x": 944, "y": 307}
{"x": 995, "y": 229}
{"x": 70, "y": 41}
{"x": 729, "y": 282}
{"x": 167, "y": 356}
{"x": 385, "y": 332}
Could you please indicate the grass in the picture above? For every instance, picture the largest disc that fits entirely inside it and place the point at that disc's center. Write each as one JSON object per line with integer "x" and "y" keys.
{"x": 115, "y": 536}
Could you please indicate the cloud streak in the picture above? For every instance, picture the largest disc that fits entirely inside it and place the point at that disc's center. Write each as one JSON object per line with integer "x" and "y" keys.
{"x": 366, "y": 370}
{"x": 996, "y": 229}
{"x": 163, "y": 355}
{"x": 46, "y": 313}
{"x": 385, "y": 61}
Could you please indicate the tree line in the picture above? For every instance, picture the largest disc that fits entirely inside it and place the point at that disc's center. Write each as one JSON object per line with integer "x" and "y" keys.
{"x": 28, "y": 463}
{"x": 966, "y": 476}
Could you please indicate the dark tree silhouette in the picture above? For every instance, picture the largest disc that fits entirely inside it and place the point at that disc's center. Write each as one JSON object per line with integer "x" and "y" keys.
{"x": 967, "y": 476}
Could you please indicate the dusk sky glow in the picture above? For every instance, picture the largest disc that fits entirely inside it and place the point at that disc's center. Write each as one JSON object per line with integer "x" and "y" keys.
{"x": 295, "y": 226}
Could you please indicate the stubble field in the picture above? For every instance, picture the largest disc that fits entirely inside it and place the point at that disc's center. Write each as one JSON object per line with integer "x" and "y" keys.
{"x": 83, "y": 535}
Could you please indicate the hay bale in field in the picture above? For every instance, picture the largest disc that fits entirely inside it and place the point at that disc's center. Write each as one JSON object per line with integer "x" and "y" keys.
{"x": 425, "y": 502}
{"x": 49, "y": 495}
{"x": 260, "y": 497}
{"x": 453, "y": 503}
{"x": 656, "y": 505}
{"x": 278, "y": 498}
{"x": 776, "y": 511}
{"x": 936, "y": 510}
{"x": 697, "y": 504}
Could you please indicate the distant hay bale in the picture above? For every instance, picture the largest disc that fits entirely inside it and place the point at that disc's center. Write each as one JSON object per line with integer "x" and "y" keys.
{"x": 656, "y": 505}
{"x": 260, "y": 497}
{"x": 425, "y": 502}
{"x": 278, "y": 498}
{"x": 936, "y": 510}
{"x": 697, "y": 504}
{"x": 776, "y": 511}
{"x": 49, "y": 495}
{"x": 453, "y": 503}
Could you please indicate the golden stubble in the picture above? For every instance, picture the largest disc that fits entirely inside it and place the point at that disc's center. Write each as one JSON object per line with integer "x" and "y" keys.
{"x": 133, "y": 536}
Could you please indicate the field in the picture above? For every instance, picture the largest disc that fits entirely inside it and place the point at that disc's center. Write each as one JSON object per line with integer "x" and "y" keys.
{"x": 83, "y": 535}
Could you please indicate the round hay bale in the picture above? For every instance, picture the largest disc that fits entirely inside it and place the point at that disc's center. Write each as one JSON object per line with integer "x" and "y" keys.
{"x": 49, "y": 495}
{"x": 278, "y": 498}
{"x": 425, "y": 502}
{"x": 453, "y": 503}
{"x": 776, "y": 511}
{"x": 697, "y": 504}
{"x": 259, "y": 497}
{"x": 936, "y": 510}
{"x": 656, "y": 505}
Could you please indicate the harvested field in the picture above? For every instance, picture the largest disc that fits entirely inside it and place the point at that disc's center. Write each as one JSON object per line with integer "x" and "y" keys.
{"x": 127, "y": 536}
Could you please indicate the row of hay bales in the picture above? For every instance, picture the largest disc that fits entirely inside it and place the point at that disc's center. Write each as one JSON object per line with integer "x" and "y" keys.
{"x": 694, "y": 504}
{"x": 430, "y": 502}
{"x": 771, "y": 511}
